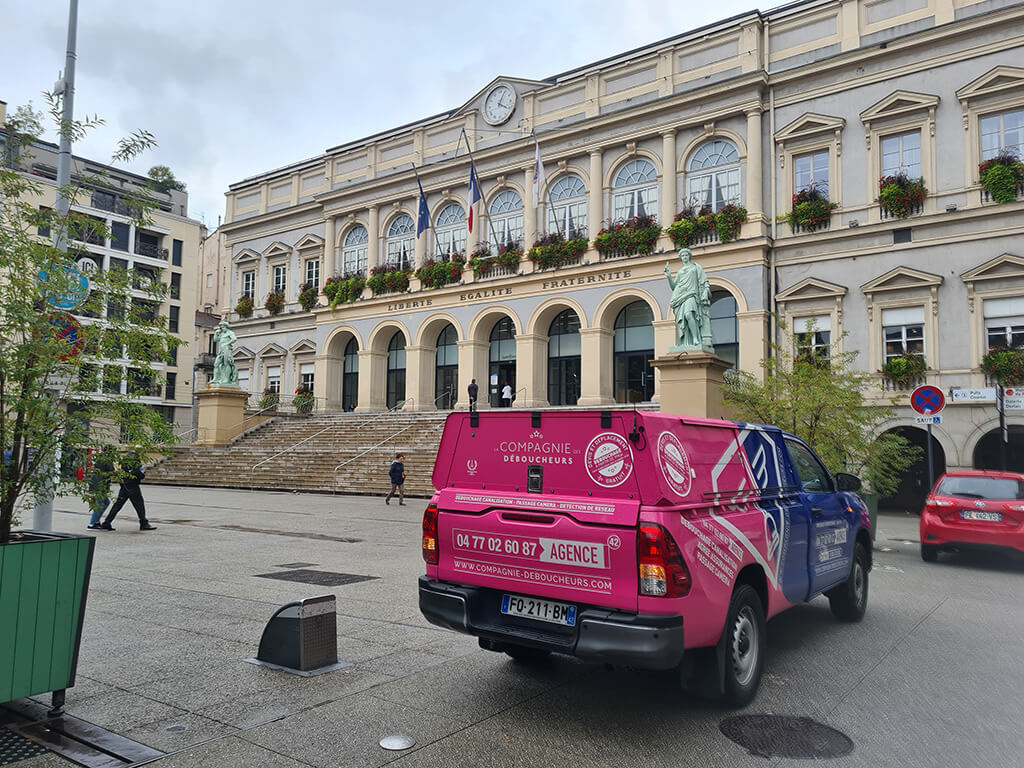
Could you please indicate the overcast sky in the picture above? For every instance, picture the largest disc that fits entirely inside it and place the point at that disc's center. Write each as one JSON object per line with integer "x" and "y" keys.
{"x": 232, "y": 88}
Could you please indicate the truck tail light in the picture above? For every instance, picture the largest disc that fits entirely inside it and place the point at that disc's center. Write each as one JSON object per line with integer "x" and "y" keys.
{"x": 430, "y": 552}
{"x": 663, "y": 572}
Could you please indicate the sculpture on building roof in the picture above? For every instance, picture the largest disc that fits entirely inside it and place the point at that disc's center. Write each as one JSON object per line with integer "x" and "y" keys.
{"x": 691, "y": 304}
{"x": 225, "y": 372}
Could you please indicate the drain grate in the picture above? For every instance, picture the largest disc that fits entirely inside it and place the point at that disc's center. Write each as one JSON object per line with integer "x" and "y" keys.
{"x": 14, "y": 747}
{"x": 782, "y": 736}
{"x": 320, "y": 578}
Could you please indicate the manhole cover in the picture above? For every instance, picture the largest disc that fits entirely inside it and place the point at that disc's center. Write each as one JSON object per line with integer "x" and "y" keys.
{"x": 783, "y": 736}
{"x": 14, "y": 748}
{"x": 320, "y": 578}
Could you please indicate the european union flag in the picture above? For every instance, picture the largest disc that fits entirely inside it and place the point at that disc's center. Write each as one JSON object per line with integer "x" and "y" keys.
{"x": 423, "y": 213}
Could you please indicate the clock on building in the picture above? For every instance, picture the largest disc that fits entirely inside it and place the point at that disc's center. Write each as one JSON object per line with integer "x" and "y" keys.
{"x": 499, "y": 103}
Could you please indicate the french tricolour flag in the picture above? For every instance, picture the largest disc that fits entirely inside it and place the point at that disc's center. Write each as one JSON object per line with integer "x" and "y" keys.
{"x": 474, "y": 193}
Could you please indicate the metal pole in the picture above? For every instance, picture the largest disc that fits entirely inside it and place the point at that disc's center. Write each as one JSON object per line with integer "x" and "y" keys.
{"x": 931, "y": 466}
{"x": 42, "y": 515}
{"x": 1003, "y": 431}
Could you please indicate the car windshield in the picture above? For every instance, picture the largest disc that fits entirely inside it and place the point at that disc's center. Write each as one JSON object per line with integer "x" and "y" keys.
{"x": 981, "y": 487}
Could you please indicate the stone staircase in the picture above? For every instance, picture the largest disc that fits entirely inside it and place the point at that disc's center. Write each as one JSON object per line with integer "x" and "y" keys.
{"x": 367, "y": 441}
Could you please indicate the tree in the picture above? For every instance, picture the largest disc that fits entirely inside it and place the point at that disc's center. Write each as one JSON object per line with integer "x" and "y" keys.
{"x": 820, "y": 399}
{"x": 164, "y": 180}
{"x": 50, "y": 399}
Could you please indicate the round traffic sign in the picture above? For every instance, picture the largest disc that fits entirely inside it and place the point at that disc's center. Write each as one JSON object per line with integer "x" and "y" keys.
{"x": 68, "y": 333}
{"x": 927, "y": 400}
{"x": 67, "y": 292}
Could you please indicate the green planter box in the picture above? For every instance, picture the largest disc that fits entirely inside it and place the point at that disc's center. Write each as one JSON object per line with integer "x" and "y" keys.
{"x": 44, "y": 580}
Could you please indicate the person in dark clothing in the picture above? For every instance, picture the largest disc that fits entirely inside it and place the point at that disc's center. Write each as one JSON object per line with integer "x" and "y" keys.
{"x": 473, "y": 390}
{"x": 397, "y": 475}
{"x": 132, "y": 473}
{"x": 99, "y": 485}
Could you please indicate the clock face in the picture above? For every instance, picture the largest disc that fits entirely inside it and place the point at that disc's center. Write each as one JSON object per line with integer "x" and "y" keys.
{"x": 498, "y": 104}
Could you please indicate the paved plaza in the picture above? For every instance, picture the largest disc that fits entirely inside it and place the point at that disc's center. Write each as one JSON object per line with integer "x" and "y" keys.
{"x": 932, "y": 676}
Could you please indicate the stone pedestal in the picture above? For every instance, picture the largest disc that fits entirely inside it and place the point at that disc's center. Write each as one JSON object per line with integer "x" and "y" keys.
{"x": 221, "y": 413}
{"x": 691, "y": 384}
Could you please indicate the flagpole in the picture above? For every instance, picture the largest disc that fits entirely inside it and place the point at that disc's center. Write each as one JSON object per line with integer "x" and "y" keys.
{"x": 472, "y": 162}
{"x": 547, "y": 192}
{"x": 437, "y": 243}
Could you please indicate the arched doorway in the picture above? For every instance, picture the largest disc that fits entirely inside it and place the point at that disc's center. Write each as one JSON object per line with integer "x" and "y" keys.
{"x": 633, "y": 351}
{"x": 502, "y": 360}
{"x": 988, "y": 452}
{"x": 913, "y": 489}
{"x": 564, "y": 359}
{"x": 724, "y": 327}
{"x": 446, "y": 368}
{"x": 350, "y": 376}
{"x": 396, "y": 370}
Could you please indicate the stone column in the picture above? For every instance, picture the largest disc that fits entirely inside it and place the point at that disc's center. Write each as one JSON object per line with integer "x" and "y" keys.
{"x": 327, "y": 373}
{"x": 530, "y": 227}
{"x": 372, "y": 380}
{"x": 373, "y": 257}
{"x": 752, "y": 333}
{"x": 473, "y": 365}
{"x": 668, "y": 177}
{"x": 328, "y": 266}
{"x": 664, "y": 337}
{"x": 755, "y": 169}
{"x": 531, "y": 370}
{"x": 595, "y": 213}
{"x": 419, "y": 377}
{"x": 596, "y": 363}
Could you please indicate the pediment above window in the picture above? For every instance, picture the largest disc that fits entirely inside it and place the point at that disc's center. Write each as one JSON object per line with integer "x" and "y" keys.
{"x": 900, "y": 104}
{"x": 309, "y": 242}
{"x": 811, "y": 288}
{"x": 996, "y": 81}
{"x": 810, "y": 124}
{"x": 304, "y": 347}
{"x": 1000, "y": 268}
{"x": 277, "y": 248}
{"x": 243, "y": 353}
{"x": 245, "y": 255}
{"x": 273, "y": 350}
{"x": 902, "y": 278}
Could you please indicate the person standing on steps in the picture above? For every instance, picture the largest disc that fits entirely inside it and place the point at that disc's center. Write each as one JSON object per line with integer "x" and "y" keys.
{"x": 506, "y": 395}
{"x": 397, "y": 475}
{"x": 132, "y": 473}
{"x": 474, "y": 390}
{"x": 99, "y": 485}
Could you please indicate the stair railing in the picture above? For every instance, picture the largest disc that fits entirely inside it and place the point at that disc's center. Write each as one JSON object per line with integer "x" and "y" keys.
{"x": 328, "y": 428}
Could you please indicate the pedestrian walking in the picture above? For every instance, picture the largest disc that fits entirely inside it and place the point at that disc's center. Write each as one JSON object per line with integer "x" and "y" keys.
{"x": 132, "y": 473}
{"x": 100, "y": 476}
{"x": 473, "y": 390}
{"x": 506, "y": 395}
{"x": 397, "y": 475}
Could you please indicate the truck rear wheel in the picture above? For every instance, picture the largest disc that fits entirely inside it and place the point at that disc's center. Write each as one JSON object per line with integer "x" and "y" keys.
{"x": 745, "y": 637}
{"x": 849, "y": 600}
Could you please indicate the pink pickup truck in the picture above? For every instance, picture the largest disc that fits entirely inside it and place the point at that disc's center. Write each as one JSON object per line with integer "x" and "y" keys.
{"x": 638, "y": 539}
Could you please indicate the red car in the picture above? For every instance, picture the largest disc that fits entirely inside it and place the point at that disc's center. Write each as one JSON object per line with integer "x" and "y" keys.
{"x": 973, "y": 507}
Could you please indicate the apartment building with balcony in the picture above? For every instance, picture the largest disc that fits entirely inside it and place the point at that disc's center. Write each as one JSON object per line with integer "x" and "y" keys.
{"x": 816, "y": 100}
{"x": 164, "y": 249}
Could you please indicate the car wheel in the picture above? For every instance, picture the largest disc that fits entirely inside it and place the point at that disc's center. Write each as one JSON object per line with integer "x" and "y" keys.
{"x": 929, "y": 553}
{"x": 849, "y": 600}
{"x": 524, "y": 654}
{"x": 745, "y": 644}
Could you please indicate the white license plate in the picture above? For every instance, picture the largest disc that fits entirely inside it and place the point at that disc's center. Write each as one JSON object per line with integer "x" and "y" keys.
{"x": 970, "y": 514}
{"x": 541, "y": 610}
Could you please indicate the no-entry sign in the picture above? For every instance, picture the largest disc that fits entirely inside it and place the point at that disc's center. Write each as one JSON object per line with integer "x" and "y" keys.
{"x": 927, "y": 400}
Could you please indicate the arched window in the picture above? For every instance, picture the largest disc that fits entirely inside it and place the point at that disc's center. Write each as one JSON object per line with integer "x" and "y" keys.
{"x": 350, "y": 376}
{"x": 567, "y": 207}
{"x": 635, "y": 190}
{"x": 446, "y": 368}
{"x": 506, "y": 219}
{"x": 633, "y": 351}
{"x": 713, "y": 175}
{"x": 396, "y": 370}
{"x": 724, "y": 328}
{"x": 450, "y": 231}
{"x": 353, "y": 251}
{"x": 401, "y": 242}
{"x": 502, "y": 359}
{"x": 564, "y": 359}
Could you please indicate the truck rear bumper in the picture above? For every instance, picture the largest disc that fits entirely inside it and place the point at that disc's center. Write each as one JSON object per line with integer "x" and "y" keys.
{"x": 648, "y": 641}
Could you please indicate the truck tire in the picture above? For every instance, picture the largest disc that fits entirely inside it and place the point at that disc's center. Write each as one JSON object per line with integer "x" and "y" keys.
{"x": 849, "y": 600}
{"x": 524, "y": 654}
{"x": 745, "y": 645}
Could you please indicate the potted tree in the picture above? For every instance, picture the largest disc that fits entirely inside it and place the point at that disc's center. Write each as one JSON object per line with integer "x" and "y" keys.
{"x": 51, "y": 408}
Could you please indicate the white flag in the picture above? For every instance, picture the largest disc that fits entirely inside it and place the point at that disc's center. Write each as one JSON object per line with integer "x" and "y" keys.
{"x": 538, "y": 175}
